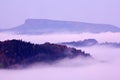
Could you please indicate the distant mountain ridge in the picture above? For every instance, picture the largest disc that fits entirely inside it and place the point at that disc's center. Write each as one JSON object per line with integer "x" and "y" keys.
{"x": 43, "y": 26}
{"x": 91, "y": 42}
{"x": 84, "y": 43}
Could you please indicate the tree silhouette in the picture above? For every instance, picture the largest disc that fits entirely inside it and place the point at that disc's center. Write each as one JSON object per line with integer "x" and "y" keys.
{"x": 14, "y": 52}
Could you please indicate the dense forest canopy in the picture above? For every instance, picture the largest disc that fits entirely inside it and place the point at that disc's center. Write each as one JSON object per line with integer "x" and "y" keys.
{"x": 18, "y": 52}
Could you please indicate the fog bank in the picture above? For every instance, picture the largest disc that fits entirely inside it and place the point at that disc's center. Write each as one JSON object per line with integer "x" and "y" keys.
{"x": 106, "y": 66}
{"x": 54, "y": 38}
{"x": 108, "y": 69}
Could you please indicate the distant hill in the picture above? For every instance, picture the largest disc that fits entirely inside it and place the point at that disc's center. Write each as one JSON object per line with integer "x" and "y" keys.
{"x": 44, "y": 26}
{"x": 111, "y": 44}
{"x": 15, "y": 53}
{"x": 84, "y": 43}
{"x": 91, "y": 42}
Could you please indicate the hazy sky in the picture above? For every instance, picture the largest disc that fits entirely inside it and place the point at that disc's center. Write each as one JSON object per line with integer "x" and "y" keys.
{"x": 14, "y": 12}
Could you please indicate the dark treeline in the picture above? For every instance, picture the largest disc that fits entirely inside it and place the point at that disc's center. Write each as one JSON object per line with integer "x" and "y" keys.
{"x": 18, "y": 52}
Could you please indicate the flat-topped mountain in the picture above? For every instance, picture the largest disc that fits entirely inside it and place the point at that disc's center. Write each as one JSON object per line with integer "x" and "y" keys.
{"x": 15, "y": 53}
{"x": 43, "y": 26}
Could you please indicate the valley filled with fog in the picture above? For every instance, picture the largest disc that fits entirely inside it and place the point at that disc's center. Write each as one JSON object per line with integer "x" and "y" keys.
{"x": 105, "y": 65}
{"x": 62, "y": 37}
{"x": 59, "y": 40}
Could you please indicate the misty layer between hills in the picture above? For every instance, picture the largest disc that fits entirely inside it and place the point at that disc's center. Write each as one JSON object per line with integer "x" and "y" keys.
{"x": 91, "y": 42}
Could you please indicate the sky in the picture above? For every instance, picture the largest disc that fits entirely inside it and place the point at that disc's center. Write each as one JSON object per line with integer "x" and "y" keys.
{"x": 15, "y": 12}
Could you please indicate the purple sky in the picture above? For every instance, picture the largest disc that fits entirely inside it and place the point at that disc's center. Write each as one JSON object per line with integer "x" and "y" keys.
{"x": 14, "y": 12}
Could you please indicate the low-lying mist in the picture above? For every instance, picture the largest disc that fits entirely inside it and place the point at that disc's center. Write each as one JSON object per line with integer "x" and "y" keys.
{"x": 105, "y": 65}
{"x": 54, "y": 38}
{"x": 106, "y": 68}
